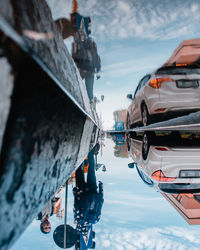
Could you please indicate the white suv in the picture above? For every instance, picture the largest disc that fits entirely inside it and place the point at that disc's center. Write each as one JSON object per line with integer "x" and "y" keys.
{"x": 169, "y": 89}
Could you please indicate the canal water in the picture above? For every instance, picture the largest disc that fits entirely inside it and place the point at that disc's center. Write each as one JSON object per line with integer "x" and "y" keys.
{"x": 134, "y": 215}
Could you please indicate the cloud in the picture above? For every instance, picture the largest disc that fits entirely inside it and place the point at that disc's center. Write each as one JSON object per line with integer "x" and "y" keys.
{"x": 143, "y": 19}
{"x": 194, "y": 7}
{"x": 150, "y": 238}
{"x": 124, "y": 68}
{"x": 108, "y": 83}
{"x": 155, "y": 20}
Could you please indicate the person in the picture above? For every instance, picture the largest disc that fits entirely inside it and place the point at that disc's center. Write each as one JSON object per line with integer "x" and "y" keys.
{"x": 84, "y": 48}
{"x": 85, "y": 55}
{"x": 88, "y": 197}
{"x": 52, "y": 207}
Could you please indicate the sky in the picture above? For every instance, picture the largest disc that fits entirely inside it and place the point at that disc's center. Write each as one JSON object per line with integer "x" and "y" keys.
{"x": 134, "y": 37}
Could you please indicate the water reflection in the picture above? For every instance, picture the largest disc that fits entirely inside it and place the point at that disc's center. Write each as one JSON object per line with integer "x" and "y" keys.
{"x": 85, "y": 200}
{"x": 170, "y": 164}
{"x": 120, "y": 149}
{"x": 88, "y": 201}
{"x": 51, "y": 208}
{"x": 131, "y": 210}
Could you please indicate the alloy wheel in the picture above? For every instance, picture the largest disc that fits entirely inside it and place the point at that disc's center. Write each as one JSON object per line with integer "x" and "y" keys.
{"x": 144, "y": 115}
{"x": 145, "y": 147}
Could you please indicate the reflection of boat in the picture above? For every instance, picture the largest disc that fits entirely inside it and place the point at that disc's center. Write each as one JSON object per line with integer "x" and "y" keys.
{"x": 188, "y": 205}
{"x": 170, "y": 168}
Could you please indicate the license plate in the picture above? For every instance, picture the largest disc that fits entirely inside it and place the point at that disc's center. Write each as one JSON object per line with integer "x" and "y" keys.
{"x": 189, "y": 174}
{"x": 187, "y": 84}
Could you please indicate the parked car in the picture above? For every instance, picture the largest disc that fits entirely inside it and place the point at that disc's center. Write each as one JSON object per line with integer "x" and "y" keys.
{"x": 170, "y": 169}
{"x": 167, "y": 90}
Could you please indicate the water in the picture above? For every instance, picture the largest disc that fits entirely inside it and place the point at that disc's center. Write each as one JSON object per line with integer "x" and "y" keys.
{"x": 134, "y": 215}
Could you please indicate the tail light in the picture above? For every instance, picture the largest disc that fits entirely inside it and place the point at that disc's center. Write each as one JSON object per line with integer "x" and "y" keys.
{"x": 161, "y": 148}
{"x": 156, "y": 82}
{"x": 159, "y": 176}
{"x": 181, "y": 64}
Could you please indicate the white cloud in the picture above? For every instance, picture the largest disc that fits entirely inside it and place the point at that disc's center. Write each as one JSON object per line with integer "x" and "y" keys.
{"x": 108, "y": 83}
{"x": 124, "y": 68}
{"x": 124, "y": 7}
{"x": 141, "y": 19}
{"x": 194, "y": 7}
{"x": 150, "y": 238}
{"x": 106, "y": 243}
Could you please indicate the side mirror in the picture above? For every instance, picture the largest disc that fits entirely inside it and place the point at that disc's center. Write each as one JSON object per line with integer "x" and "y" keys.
{"x": 129, "y": 96}
{"x": 100, "y": 165}
{"x": 132, "y": 165}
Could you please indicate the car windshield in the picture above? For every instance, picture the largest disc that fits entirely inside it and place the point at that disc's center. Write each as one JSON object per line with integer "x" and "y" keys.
{"x": 178, "y": 70}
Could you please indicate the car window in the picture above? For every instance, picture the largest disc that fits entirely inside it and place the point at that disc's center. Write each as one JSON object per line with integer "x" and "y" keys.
{"x": 138, "y": 88}
{"x": 142, "y": 83}
{"x": 144, "y": 177}
{"x": 145, "y": 79}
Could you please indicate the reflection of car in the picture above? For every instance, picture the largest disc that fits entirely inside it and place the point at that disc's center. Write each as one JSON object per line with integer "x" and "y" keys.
{"x": 169, "y": 89}
{"x": 188, "y": 205}
{"x": 172, "y": 169}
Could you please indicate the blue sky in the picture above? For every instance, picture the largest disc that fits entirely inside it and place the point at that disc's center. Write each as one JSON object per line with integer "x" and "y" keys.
{"x": 134, "y": 37}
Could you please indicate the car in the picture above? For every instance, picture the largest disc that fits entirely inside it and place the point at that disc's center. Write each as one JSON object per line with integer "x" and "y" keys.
{"x": 167, "y": 90}
{"x": 169, "y": 168}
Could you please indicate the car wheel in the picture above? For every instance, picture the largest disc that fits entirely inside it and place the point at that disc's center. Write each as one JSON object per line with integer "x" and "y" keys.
{"x": 128, "y": 141}
{"x": 128, "y": 126}
{"x": 145, "y": 146}
{"x": 145, "y": 115}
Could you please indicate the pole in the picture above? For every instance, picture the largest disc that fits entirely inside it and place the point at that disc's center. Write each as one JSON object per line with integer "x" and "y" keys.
{"x": 65, "y": 219}
{"x": 101, "y": 145}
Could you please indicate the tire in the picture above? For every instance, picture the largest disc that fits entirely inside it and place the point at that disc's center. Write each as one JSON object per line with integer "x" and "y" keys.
{"x": 145, "y": 115}
{"x": 128, "y": 140}
{"x": 128, "y": 126}
{"x": 145, "y": 146}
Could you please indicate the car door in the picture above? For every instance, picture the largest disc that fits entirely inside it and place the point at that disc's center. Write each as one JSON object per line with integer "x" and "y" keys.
{"x": 137, "y": 100}
{"x": 133, "y": 108}
{"x": 142, "y": 97}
